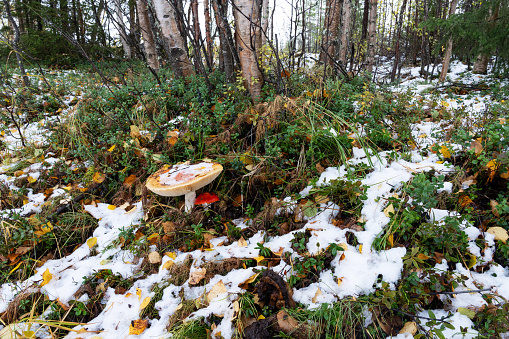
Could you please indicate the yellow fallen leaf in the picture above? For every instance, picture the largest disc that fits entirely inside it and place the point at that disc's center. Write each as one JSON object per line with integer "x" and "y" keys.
{"x": 260, "y": 317}
{"x": 46, "y": 277}
{"x": 499, "y": 233}
{"x": 472, "y": 260}
{"x": 112, "y": 148}
{"x": 251, "y": 279}
{"x": 46, "y": 228}
{"x": 104, "y": 262}
{"x": 31, "y": 179}
{"x": 390, "y": 238}
{"x": 135, "y": 132}
{"x": 445, "y": 152}
{"x": 318, "y": 292}
{"x": 242, "y": 242}
{"x": 340, "y": 280}
{"x": 389, "y": 210}
{"x": 360, "y": 248}
{"x": 172, "y": 255}
{"x": 98, "y": 177}
{"x": 15, "y": 268}
{"x": 259, "y": 258}
{"x": 137, "y": 327}
{"x": 145, "y": 303}
{"x": 167, "y": 265}
{"x": 91, "y": 242}
{"x": 138, "y": 293}
{"x": 492, "y": 165}
{"x": 111, "y": 207}
{"x": 217, "y": 289}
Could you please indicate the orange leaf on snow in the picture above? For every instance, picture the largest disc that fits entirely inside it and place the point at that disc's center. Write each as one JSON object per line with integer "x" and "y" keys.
{"x": 138, "y": 326}
{"x": 145, "y": 303}
{"x": 46, "y": 277}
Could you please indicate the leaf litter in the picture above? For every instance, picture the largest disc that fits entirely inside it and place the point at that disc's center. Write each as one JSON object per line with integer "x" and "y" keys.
{"x": 354, "y": 271}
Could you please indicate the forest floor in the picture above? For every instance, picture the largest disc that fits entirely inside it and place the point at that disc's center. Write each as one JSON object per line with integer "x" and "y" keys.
{"x": 356, "y": 210}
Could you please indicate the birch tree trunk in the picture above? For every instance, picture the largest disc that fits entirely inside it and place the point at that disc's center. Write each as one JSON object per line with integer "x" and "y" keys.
{"x": 247, "y": 34}
{"x": 147, "y": 34}
{"x": 121, "y": 29}
{"x": 448, "y": 51}
{"x": 265, "y": 20}
{"x": 345, "y": 31}
{"x": 370, "y": 50}
{"x": 173, "y": 41}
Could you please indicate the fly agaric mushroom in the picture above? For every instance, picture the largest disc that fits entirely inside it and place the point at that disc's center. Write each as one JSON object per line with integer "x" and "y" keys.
{"x": 173, "y": 181}
{"x": 206, "y": 198}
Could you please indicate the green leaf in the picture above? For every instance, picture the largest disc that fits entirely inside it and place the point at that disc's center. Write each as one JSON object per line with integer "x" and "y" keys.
{"x": 465, "y": 311}
{"x": 431, "y": 315}
{"x": 309, "y": 209}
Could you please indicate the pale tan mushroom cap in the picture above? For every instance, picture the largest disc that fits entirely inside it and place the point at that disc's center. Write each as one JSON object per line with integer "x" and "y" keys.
{"x": 173, "y": 181}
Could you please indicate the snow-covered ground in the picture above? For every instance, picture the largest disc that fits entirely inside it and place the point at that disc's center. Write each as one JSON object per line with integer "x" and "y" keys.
{"x": 357, "y": 267}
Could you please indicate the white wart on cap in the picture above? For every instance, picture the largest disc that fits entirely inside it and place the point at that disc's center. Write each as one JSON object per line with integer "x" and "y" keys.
{"x": 173, "y": 181}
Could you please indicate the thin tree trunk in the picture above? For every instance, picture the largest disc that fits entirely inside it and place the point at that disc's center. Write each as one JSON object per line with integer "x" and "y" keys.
{"x": 448, "y": 51}
{"x": 148, "y": 35}
{"x": 197, "y": 36}
{"x": 265, "y": 20}
{"x": 121, "y": 29}
{"x": 208, "y": 35}
{"x": 226, "y": 47}
{"x": 15, "y": 43}
{"x": 398, "y": 37}
{"x": 345, "y": 31}
{"x": 370, "y": 50}
{"x": 331, "y": 29}
{"x": 247, "y": 24}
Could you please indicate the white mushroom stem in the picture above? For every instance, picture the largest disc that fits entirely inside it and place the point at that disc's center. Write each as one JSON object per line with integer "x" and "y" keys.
{"x": 190, "y": 198}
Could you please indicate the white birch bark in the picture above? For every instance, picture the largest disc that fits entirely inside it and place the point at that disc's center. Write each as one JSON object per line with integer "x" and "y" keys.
{"x": 179, "y": 61}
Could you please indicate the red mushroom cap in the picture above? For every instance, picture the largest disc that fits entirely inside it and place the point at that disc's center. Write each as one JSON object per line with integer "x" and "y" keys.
{"x": 206, "y": 198}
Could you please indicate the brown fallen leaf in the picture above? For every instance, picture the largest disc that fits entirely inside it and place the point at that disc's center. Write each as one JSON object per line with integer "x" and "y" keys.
{"x": 196, "y": 276}
{"x": 409, "y": 327}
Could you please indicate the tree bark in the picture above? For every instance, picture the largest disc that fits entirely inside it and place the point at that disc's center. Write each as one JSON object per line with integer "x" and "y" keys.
{"x": 121, "y": 29}
{"x": 226, "y": 46}
{"x": 481, "y": 64}
{"x": 398, "y": 37}
{"x": 345, "y": 31}
{"x": 173, "y": 41}
{"x": 208, "y": 35}
{"x": 265, "y": 20}
{"x": 197, "y": 37}
{"x": 15, "y": 43}
{"x": 331, "y": 29}
{"x": 148, "y": 35}
{"x": 448, "y": 51}
{"x": 370, "y": 50}
{"x": 247, "y": 33}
